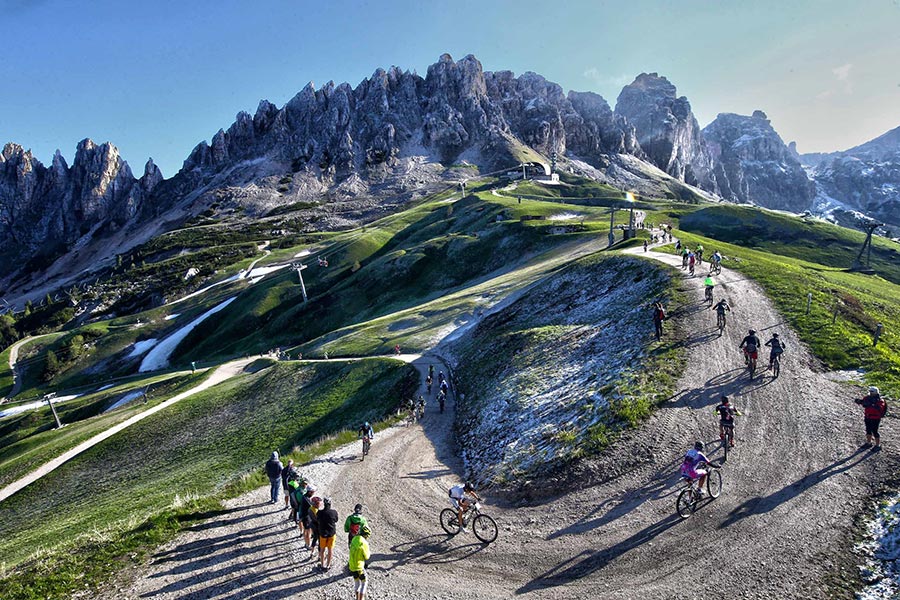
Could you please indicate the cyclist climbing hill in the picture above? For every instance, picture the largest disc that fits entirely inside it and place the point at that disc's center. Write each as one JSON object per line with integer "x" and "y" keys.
{"x": 750, "y": 346}
{"x": 461, "y": 498}
{"x": 777, "y": 348}
{"x": 694, "y": 458}
{"x": 726, "y": 414}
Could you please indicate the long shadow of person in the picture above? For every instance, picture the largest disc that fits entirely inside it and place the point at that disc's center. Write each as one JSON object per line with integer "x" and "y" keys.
{"x": 762, "y": 504}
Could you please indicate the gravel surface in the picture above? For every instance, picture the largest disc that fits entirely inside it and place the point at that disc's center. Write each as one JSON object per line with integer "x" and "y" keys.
{"x": 783, "y": 525}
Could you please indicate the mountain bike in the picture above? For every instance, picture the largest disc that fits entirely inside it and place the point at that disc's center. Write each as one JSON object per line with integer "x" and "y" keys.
{"x": 709, "y": 295}
{"x": 367, "y": 445}
{"x": 720, "y": 321}
{"x": 483, "y": 526}
{"x": 715, "y": 269}
{"x": 775, "y": 365}
{"x": 690, "y": 495}
{"x": 750, "y": 361}
{"x": 728, "y": 440}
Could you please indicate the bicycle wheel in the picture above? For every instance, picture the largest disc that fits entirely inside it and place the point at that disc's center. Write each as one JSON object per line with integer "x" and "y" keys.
{"x": 714, "y": 483}
{"x": 484, "y": 528}
{"x": 776, "y": 366}
{"x": 752, "y": 367}
{"x": 685, "y": 504}
{"x": 449, "y": 521}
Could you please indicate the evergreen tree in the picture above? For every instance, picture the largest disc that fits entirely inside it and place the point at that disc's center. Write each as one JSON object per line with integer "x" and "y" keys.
{"x": 52, "y": 366}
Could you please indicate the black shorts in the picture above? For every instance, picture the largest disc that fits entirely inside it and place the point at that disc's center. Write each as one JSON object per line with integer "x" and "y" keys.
{"x": 872, "y": 426}
{"x": 727, "y": 424}
{"x": 360, "y": 575}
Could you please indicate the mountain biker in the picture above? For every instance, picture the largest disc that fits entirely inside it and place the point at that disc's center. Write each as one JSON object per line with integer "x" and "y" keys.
{"x": 750, "y": 344}
{"x": 445, "y": 387}
{"x": 875, "y": 409}
{"x": 428, "y": 384}
{"x": 692, "y": 459}
{"x": 307, "y": 515}
{"x": 777, "y": 348}
{"x": 692, "y": 260}
{"x": 328, "y": 519}
{"x": 421, "y": 405}
{"x": 354, "y": 523}
{"x": 288, "y": 473}
{"x": 716, "y": 258}
{"x": 684, "y": 257}
{"x": 709, "y": 284}
{"x": 726, "y": 414}
{"x": 441, "y": 398}
{"x": 366, "y": 430}
{"x": 699, "y": 254}
{"x": 460, "y": 498}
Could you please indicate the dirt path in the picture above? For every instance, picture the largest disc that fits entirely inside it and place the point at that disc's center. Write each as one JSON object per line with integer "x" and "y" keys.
{"x": 221, "y": 374}
{"x": 13, "y": 359}
{"x": 783, "y": 523}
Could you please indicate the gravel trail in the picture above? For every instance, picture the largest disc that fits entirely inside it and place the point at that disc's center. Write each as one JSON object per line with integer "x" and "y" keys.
{"x": 782, "y": 526}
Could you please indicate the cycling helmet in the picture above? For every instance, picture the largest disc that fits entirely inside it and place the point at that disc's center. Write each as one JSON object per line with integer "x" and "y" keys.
{"x": 774, "y": 335}
{"x": 366, "y": 425}
{"x": 358, "y": 508}
{"x": 752, "y": 332}
{"x": 469, "y": 487}
{"x": 873, "y": 390}
{"x": 724, "y": 399}
{"x": 698, "y": 445}
{"x": 365, "y": 531}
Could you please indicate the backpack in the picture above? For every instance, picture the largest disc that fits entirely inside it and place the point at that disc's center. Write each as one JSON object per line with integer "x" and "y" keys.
{"x": 659, "y": 314}
{"x": 354, "y": 529}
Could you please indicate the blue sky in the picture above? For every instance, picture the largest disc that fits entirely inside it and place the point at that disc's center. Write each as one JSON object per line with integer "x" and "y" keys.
{"x": 156, "y": 78}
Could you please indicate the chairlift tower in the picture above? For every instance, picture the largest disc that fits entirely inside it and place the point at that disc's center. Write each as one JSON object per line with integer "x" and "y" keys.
{"x": 869, "y": 228}
{"x": 299, "y": 268}
{"x": 553, "y": 157}
{"x": 49, "y": 398}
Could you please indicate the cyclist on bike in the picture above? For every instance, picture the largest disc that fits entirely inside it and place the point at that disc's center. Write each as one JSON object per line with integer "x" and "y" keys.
{"x": 749, "y": 345}
{"x": 366, "y": 431}
{"x": 461, "y": 496}
{"x": 710, "y": 284}
{"x": 721, "y": 308}
{"x": 694, "y": 458}
{"x": 777, "y": 348}
{"x": 421, "y": 406}
{"x": 699, "y": 254}
{"x": 428, "y": 384}
{"x": 726, "y": 418}
{"x": 716, "y": 258}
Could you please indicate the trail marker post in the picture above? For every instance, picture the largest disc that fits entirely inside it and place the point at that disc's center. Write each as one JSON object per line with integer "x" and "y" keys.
{"x": 808, "y": 302}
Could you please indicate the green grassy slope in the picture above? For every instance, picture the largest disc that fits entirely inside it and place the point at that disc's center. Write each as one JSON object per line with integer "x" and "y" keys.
{"x": 860, "y": 301}
{"x": 198, "y": 447}
{"x": 810, "y": 240}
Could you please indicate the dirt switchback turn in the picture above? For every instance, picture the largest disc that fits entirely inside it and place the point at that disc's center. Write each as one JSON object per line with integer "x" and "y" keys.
{"x": 782, "y": 525}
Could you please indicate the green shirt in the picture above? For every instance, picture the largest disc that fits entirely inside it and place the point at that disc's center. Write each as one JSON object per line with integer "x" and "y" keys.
{"x": 355, "y": 519}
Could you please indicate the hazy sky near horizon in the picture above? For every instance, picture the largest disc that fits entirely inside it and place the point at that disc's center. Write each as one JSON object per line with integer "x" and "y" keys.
{"x": 156, "y": 78}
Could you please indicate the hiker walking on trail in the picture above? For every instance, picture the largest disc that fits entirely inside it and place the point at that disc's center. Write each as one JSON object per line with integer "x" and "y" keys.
{"x": 659, "y": 315}
{"x": 875, "y": 408}
{"x": 359, "y": 554}
{"x": 273, "y": 470}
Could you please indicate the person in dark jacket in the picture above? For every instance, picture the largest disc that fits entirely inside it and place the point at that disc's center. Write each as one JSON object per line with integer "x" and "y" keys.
{"x": 273, "y": 470}
{"x": 874, "y": 409}
{"x": 288, "y": 473}
{"x": 659, "y": 315}
{"x": 306, "y": 517}
{"x": 328, "y": 519}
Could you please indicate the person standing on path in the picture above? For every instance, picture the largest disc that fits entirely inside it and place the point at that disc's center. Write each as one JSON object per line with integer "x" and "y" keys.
{"x": 273, "y": 470}
{"x": 354, "y": 523}
{"x": 359, "y": 554}
{"x": 287, "y": 474}
{"x": 875, "y": 408}
{"x": 659, "y": 315}
{"x": 328, "y": 519}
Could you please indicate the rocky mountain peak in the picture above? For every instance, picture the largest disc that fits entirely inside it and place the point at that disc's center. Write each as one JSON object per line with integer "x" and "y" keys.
{"x": 667, "y": 130}
{"x": 753, "y": 164}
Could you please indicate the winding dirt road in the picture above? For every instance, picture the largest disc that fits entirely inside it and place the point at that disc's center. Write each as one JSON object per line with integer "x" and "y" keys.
{"x": 782, "y": 526}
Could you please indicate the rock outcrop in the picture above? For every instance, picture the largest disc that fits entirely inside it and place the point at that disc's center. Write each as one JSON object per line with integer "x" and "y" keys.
{"x": 43, "y": 211}
{"x": 667, "y": 130}
{"x": 753, "y": 164}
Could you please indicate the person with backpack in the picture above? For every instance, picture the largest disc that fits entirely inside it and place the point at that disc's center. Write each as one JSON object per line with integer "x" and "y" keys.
{"x": 354, "y": 523}
{"x": 750, "y": 346}
{"x": 659, "y": 315}
{"x": 874, "y": 409}
{"x": 273, "y": 470}
{"x": 288, "y": 473}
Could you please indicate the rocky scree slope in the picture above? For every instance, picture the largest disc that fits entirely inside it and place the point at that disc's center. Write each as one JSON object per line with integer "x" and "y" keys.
{"x": 550, "y": 378}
